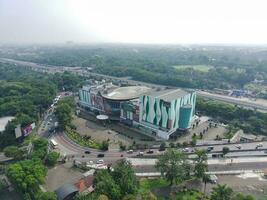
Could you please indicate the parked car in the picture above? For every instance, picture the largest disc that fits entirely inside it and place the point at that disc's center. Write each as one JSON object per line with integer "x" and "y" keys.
{"x": 87, "y": 152}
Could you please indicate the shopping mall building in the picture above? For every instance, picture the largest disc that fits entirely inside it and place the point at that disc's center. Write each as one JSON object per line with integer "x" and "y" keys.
{"x": 156, "y": 113}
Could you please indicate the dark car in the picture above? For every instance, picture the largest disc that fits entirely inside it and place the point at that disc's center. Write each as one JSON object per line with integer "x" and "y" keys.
{"x": 150, "y": 152}
{"x": 87, "y": 152}
{"x": 100, "y": 155}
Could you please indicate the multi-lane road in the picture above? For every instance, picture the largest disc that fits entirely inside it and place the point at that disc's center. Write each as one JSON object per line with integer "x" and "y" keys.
{"x": 259, "y": 104}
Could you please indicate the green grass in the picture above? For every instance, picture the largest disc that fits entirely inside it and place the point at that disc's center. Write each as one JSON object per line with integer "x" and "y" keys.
{"x": 188, "y": 195}
{"x": 202, "y": 68}
{"x": 77, "y": 138}
{"x": 150, "y": 183}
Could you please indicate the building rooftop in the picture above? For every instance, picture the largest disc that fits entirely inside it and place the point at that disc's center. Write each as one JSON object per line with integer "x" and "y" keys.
{"x": 4, "y": 121}
{"x": 169, "y": 95}
{"x": 66, "y": 191}
{"x": 126, "y": 93}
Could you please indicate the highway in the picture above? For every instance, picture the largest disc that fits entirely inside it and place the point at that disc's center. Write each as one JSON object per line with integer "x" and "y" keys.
{"x": 259, "y": 104}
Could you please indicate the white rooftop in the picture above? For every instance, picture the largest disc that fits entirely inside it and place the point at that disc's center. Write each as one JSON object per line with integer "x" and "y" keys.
{"x": 4, "y": 121}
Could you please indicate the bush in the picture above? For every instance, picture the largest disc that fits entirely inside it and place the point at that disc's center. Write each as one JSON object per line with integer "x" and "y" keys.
{"x": 122, "y": 146}
{"x": 185, "y": 144}
{"x": 14, "y": 152}
{"x": 51, "y": 158}
{"x": 172, "y": 145}
{"x": 104, "y": 145}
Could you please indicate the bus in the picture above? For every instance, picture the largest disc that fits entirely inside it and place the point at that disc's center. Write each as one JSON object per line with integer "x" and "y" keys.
{"x": 53, "y": 143}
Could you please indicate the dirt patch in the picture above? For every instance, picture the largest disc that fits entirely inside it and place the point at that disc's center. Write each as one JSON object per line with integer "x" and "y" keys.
{"x": 61, "y": 174}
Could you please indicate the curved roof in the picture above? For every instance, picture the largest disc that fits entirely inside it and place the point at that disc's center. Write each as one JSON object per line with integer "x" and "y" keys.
{"x": 66, "y": 190}
{"x": 126, "y": 93}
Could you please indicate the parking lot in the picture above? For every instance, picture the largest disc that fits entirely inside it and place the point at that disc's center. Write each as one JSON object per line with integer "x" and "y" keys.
{"x": 249, "y": 183}
{"x": 61, "y": 174}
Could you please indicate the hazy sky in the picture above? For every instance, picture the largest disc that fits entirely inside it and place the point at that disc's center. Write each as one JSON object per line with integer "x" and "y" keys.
{"x": 137, "y": 21}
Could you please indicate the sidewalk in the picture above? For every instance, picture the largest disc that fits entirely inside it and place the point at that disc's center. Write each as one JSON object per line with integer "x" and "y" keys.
{"x": 222, "y": 161}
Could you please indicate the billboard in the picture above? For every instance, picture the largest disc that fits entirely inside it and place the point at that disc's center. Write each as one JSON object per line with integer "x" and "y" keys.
{"x": 97, "y": 101}
{"x": 28, "y": 129}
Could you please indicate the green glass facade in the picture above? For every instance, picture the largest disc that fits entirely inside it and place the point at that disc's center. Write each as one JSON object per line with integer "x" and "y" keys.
{"x": 169, "y": 114}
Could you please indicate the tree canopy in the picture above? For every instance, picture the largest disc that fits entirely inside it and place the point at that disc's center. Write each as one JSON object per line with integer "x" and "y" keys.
{"x": 174, "y": 166}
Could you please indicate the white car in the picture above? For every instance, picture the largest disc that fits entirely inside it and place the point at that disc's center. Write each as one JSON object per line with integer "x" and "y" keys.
{"x": 238, "y": 146}
{"x": 259, "y": 145}
{"x": 130, "y": 151}
{"x": 100, "y": 161}
{"x": 90, "y": 162}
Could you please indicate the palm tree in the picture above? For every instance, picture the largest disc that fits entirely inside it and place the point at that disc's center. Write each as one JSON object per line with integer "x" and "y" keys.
{"x": 205, "y": 179}
{"x": 221, "y": 192}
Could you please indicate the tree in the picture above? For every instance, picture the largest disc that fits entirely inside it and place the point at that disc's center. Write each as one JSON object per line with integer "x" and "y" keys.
{"x": 225, "y": 150}
{"x": 64, "y": 114}
{"x": 102, "y": 197}
{"x": 185, "y": 144}
{"x": 201, "y": 165}
{"x": 129, "y": 197}
{"x": 13, "y": 151}
{"x": 193, "y": 142}
{"x": 40, "y": 148}
{"x": 80, "y": 196}
{"x": 240, "y": 196}
{"x": 104, "y": 145}
{"x": 148, "y": 195}
{"x": 125, "y": 178}
{"x": 173, "y": 166}
{"x": 221, "y": 192}
{"x": 172, "y": 145}
{"x": 105, "y": 184}
{"x": 51, "y": 158}
{"x": 46, "y": 196}
{"x": 122, "y": 146}
{"x": 26, "y": 175}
